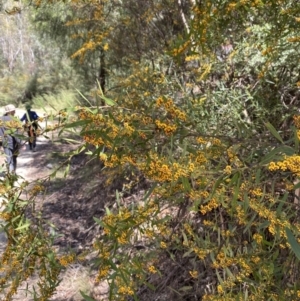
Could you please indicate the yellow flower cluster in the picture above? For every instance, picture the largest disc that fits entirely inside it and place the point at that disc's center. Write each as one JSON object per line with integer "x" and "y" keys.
{"x": 112, "y": 161}
{"x": 231, "y": 6}
{"x": 36, "y": 190}
{"x": 192, "y": 57}
{"x": 5, "y": 215}
{"x": 296, "y": 119}
{"x": 211, "y": 205}
{"x": 241, "y": 216}
{"x": 103, "y": 157}
{"x": 256, "y": 192}
{"x": 233, "y": 158}
{"x": 162, "y": 171}
{"x": 163, "y": 245}
{"x": 201, "y": 140}
{"x": 102, "y": 273}
{"x": 291, "y": 163}
{"x": 127, "y": 130}
{"x": 223, "y": 261}
{"x": 195, "y": 195}
{"x": 258, "y": 238}
{"x": 146, "y": 120}
{"x": 171, "y": 108}
{"x": 65, "y": 260}
{"x": 228, "y": 170}
{"x": 298, "y": 134}
{"x": 200, "y": 158}
{"x": 123, "y": 238}
{"x": 181, "y": 48}
{"x": 277, "y": 224}
{"x": 152, "y": 269}
{"x": 110, "y": 221}
{"x": 194, "y": 274}
{"x": 208, "y": 223}
{"x": 125, "y": 290}
{"x": 169, "y": 129}
{"x": 201, "y": 253}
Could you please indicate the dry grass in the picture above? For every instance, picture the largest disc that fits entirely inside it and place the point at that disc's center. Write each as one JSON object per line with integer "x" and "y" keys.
{"x": 76, "y": 278}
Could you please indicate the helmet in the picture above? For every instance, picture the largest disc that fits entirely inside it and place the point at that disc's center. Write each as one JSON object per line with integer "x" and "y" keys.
{"x": 9, "y": 108}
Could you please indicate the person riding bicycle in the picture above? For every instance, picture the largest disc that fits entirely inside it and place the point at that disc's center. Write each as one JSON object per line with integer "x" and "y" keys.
{"x": 31, "y": 124}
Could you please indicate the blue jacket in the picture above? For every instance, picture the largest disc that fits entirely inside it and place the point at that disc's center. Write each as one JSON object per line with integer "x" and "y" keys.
{"x": 31, "y": 114}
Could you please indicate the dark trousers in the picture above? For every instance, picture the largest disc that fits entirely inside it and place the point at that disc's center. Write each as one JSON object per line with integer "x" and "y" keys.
{"x": 11, "y": 159}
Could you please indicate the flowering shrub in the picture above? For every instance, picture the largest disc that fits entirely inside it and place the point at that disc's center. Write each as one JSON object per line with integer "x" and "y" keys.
{"x": 213, "y": 210}
{"x": 219, "y": 219}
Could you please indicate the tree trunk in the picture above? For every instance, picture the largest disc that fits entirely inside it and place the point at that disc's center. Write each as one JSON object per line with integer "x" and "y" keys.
{"x": 102, "y": 71}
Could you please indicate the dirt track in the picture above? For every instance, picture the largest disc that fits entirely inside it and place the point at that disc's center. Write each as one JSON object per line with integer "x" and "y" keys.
{"x": 63, "y": 205}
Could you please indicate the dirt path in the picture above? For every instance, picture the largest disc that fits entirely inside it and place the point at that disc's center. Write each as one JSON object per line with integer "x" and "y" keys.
{"x": 63, "y": 206}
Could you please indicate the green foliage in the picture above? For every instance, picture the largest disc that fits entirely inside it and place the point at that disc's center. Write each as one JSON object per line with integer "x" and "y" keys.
{"x": 29, "y": 244}
{"x": 62, "y": 100}
{"x": 200, "y": 105}
{"x": 213, "y": 205}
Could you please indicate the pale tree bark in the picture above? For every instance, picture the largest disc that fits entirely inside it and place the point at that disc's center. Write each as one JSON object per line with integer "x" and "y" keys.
{"x": 20, "y": 29}
{"x": 183, "y": 17}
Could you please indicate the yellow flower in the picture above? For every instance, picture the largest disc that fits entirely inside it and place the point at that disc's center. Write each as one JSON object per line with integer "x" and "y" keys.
{"x": 103, "y": 157}
{"x": 152, "y": 269}
{"x": 220, "y": 289}
{"x": 228, "y": 170}
{"x": 163, "y": 245}
{"x": 105, "y": 47}
{"x": 258, "y": 238}
{"x": 194, "y": 274}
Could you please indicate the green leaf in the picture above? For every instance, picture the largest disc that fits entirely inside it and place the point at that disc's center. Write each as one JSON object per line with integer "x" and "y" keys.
{"x": 83, "y": 96}
{"x": 151, "y": 286}
{"x": 149, "y": 192}
{"x": 217, "y": 183}
{"x": 186, "y": 288}
{"x": 107, "y": 211}
{"x": 118, "y": 197}
{"x": 186, "y": 184}
{"x": 188, "y": 253}
{"x": 108, "y": 101}
{"x": 274, "y": 132}
{"x": 185, "y": 237}
{"x": 229, "y": 273}
{"x": 86, "y": 297}
{"x": 296, "y": 186}
{"x": 77, "y": 123}
{"x": 98, "y": 221}
{"x": 284, "y": 149}
{"x": 282, "y": 202}
{"x": 24, "y": 226}
{"x": 293, "y": 242}
{"x": 296, "y": 140}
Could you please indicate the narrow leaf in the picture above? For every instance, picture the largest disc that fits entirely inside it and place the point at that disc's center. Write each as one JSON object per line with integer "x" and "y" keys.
{"x": 293, "y": 242}
{"x": 274, "y": 132}
{"x": 86, "y": 297}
